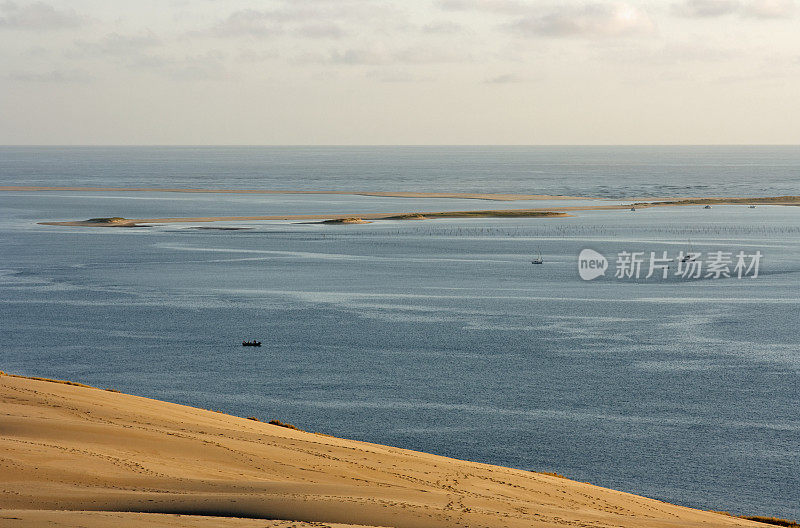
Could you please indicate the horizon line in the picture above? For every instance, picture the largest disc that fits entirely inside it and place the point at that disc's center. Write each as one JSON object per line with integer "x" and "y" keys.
{"x": 384, "y": 145}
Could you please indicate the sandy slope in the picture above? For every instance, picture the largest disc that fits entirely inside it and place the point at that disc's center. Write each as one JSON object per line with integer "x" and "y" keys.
{"x": 100, "y": 453}
{"x": 93, "y": 519}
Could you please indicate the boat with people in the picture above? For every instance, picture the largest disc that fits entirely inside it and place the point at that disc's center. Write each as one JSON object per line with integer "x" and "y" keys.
{"x": 252, "y": 343}
{"x": 689, "y": 256}
{"x": 538, "y": 259}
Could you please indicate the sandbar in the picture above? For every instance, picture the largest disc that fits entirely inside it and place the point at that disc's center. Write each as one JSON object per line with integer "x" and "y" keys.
{"x": 350, "y": 218}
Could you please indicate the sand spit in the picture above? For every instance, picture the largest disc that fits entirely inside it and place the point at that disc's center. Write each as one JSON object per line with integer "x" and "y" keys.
{"x": 73, "y": 455}
{"x": 769, "y": 200}
{"x": 349, "y": 220}
{"x": 498, "y": 213}
{"x": 332, "y": 219}
{"x": 356, "y": 218}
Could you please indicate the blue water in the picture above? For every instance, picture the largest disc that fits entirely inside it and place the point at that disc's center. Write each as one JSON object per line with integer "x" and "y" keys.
{"x": 439, "y": 335}
{"x": 607, "y": 172}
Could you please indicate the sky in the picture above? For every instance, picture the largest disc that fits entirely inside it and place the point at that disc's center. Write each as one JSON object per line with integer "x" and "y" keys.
{"x": 412, "y": 72}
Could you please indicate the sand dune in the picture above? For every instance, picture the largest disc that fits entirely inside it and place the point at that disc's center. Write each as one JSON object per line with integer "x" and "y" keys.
{"x": 78, "y": 456}
{"x": 90, "y": 519}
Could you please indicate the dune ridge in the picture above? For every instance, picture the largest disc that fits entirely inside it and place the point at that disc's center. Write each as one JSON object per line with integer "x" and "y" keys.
{"x": 76, "y": 455}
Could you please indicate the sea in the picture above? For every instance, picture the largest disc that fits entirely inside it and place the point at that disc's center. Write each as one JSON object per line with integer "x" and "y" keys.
{"x": 437, "y": 335}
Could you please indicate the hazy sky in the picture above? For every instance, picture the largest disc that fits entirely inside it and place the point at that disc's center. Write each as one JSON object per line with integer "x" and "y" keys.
{"x": 402, "y": 72}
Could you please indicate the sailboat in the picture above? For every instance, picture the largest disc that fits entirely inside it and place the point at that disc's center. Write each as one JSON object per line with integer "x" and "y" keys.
{"x": 538, "y": 260}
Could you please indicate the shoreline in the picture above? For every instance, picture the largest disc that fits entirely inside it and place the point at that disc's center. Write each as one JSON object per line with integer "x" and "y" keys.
{"x": 152, "y": 459}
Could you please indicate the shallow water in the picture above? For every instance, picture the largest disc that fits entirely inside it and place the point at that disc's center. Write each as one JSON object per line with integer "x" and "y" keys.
{"x": 437, "y": 335}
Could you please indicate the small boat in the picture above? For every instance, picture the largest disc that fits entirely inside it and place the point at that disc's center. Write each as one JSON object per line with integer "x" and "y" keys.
{"x": 251, "y": 343}
{"x": 538, "y": 260}
{"x": 689, "y": 256}
{"x": 707, "y": 207}
{"x": 633, "y": 208}
{"x": 752, "y": 207}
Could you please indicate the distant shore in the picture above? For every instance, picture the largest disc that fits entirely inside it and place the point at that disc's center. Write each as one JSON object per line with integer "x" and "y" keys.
{"x": 77, "y": 455}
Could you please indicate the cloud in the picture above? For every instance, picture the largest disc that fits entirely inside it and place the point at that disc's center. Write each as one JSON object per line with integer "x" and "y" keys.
{"x": 255, "y": 56}
{"x": 208, "y": 66}
{"x": 492, "y": 6}
{"x": 770, "y": 9}
{"x": 718, "y": 8}
{"x": 119, "y": 45}
{"x": 588, "y": 21}
{"x": 321, "y": 31}
{"x": 358, "y": 56}
{"x": 678, "y": 53}
{"x": 36, "y": 16}
{"x": 248, "y": 22}
{"x": 508, "y": 78}
{"x": 398, "y": 77}
{"x": 442, "y": 28}
{"x": 311, "y": 19}
{"x": 381, "y": 55}
{"x": 55, "y": 76}
{"x": 705, "y": 8}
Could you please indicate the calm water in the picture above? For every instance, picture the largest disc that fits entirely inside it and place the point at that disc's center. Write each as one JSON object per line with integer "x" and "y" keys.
{"x": 439, "y": 335}
{"x": 609, "y": 172}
